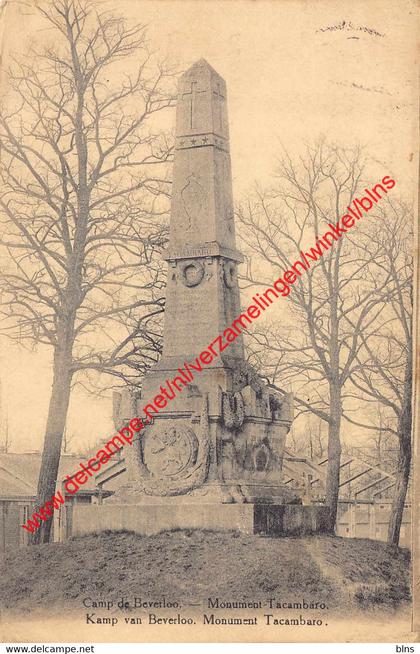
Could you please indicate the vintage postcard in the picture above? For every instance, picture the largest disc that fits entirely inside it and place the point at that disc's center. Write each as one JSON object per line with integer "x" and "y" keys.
{"x": 209, "y": 301}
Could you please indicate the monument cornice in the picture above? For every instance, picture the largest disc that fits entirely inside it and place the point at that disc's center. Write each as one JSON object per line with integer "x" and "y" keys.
{"x": 208, "y": 249}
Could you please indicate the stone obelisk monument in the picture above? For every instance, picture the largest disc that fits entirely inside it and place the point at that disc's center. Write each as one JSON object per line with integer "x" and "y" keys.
{"x": 202, "y": 297}
{"x": 219, "y": 441}
{"x": 202, "y": 249}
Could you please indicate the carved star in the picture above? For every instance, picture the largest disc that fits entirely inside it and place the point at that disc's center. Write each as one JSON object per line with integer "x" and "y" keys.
{"x": 193, "y": 141}
{"x": 205, "y": 139}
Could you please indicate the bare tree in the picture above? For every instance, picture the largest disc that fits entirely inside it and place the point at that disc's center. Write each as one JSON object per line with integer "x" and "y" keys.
{"x": 334, "y": 304}
{"x": 385, "y": 370}
{"x": 67, "y": 440}
{"x": 83, "y": 202}
{"x": 378, "y": 439}
{"x": 381, "y": 446}
{"x": 317, "y": 441}
{"x": 5, "y": 439}
{"x": 307, "y": 438}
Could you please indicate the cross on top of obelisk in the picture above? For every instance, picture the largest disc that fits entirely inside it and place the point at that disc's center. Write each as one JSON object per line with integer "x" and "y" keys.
{"x": 202, "y": 102}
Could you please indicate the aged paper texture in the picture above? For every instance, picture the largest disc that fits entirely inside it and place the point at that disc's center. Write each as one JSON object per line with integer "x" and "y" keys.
{"x": 209, "y": 302}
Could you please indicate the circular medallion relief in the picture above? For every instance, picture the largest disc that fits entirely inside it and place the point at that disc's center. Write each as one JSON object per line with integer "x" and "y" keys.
{"x": 171, "y": 451}
{"x": 192, "y": 272}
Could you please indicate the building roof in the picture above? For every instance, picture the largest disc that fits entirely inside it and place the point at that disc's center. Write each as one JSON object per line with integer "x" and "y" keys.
{"x": 19, "y": 474}
{"x": 359, "y": 479}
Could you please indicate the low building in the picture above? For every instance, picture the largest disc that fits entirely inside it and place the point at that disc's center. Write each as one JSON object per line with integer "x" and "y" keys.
{"x": 365, "y": 495}
{"x": 19, "y": 474}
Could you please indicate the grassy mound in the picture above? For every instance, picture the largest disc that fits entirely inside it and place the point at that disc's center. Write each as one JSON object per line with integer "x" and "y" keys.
{"x": 191, "y": 566}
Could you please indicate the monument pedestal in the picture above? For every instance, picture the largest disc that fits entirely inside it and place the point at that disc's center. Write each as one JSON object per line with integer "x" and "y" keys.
{"x": 148, "y": 519}
{"x": 212, "y": 443}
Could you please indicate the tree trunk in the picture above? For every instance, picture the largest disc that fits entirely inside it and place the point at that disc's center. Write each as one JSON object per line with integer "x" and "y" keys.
{"x": 334, "y": 455}
{"x": 57, "y": 415}
{"x": 404, "y": 458}
{"x": 403, "y": 473}
{"x": 60, "y": 394}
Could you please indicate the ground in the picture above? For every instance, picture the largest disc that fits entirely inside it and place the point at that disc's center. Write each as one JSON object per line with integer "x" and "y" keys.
{"x": 191, "y": 566}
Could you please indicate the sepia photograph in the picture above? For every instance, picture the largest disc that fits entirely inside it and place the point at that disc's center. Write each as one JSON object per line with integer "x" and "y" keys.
{"x": 208, "y": 319}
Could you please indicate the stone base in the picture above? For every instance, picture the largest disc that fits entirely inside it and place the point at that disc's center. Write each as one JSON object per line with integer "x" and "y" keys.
{"x": 267, "y": 519}
{"x": 290, "y": 519}
{"x": 232, "y": 491}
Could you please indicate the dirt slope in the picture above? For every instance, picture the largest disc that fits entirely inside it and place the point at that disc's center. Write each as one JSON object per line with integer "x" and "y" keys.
{"x": 190, "y": 566}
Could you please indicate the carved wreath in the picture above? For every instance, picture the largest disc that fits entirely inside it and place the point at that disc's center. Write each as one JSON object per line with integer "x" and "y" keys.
{"x": 192, "y": 272}
{"x": 229, "y": 270}
{"x": 233, "y": 410}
